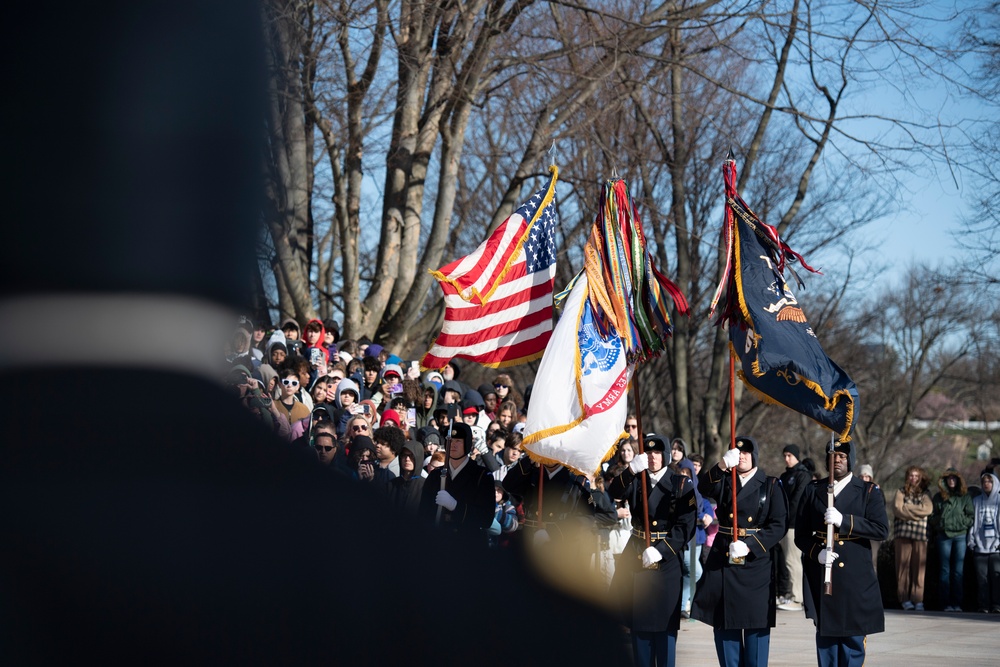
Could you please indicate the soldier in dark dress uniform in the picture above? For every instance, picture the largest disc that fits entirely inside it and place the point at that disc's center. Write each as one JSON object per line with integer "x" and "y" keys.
{"x": 647, "y": 581}
{"x": 569, "y": 504}
{"x": 738, "y": 600}
{"x": 468, "y": 497}
{"x": 855, "y": 608}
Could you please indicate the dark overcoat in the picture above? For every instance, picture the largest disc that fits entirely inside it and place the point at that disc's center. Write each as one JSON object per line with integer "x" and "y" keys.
{"x": 855, "y": 608}
{"x": 651, "y": 599}
{"x": 565, "y": 497}
{"x": 475, "y": 493}
{"x": 741, "y": 596}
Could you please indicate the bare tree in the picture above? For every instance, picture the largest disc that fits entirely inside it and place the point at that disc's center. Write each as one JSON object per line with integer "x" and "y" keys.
{"x": 393, "y": 126}
{"x": 913, "y": 336}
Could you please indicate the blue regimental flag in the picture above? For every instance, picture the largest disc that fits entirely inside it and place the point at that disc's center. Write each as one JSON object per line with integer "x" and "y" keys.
{"x": 783, "y": 361}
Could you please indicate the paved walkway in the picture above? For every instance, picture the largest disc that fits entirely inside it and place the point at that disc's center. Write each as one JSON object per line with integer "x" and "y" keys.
{"x": 911, "y": 639}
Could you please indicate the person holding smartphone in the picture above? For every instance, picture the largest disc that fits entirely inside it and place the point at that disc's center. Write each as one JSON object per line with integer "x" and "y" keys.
{"x": 314, "y": 336}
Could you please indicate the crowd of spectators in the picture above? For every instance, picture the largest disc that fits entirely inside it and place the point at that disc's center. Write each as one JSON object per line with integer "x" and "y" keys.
{"x": 378, "y": 419}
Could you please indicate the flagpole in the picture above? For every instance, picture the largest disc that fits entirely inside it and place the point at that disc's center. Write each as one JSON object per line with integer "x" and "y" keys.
{"x": 642, "y": 452}
{"x": 444, "y": 481}
{"x": 732, "y": 445}
{"x": 541, "y": 483}
{"x": 828, "y": 568}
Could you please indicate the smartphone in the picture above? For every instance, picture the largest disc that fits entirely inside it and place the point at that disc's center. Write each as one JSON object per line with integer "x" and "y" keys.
{"x": 411, "y": 417}
{"x": 396, "y": 388}
{"x": 367, "y": 409}
{"x": 315, "y": 356}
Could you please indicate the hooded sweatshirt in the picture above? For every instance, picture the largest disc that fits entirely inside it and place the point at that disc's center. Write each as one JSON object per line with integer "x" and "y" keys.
{"x": 343, "y": 415}
{"x": 984, "y": 536}
{"x": 277, "y": 337}
{"x": 319, "y": 342}
{"x": 404, "y": 494}
{"x": 952, "y": 514}
{"x": 424, "y": 417}
{"x": 451, "y": 385}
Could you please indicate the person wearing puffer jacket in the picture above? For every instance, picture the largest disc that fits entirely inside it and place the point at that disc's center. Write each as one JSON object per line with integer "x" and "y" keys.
{"x": 951, "y": 520}
{"x": 984, "y": 541}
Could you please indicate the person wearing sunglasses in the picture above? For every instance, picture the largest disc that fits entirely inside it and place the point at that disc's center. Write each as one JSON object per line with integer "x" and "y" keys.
{"x": 325, "y": 445}
{"x": 288, "y": 404}
{"x": 504, "y": 387}
{"x": 632, "y": 427}
{"x": 355, "y": 426}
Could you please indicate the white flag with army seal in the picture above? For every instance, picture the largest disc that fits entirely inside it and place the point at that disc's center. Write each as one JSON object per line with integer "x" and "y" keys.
{"x": 579, "y": 399}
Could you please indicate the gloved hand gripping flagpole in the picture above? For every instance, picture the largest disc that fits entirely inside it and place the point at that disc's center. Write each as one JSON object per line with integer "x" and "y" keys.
{"x": 733, "y": 560}
{"x": 444, "y": 480}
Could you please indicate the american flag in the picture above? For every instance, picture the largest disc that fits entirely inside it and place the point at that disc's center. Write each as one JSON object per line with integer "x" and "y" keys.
{"x": 498, "y": 300}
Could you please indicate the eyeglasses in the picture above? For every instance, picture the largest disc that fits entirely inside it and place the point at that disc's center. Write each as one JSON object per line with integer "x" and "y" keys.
{"x": 335, "y": 378}
{"x": 289, "y": 382}
{"x": 323, "y": 448}
{"x": 501, "y": 386}
{"x": 359, "y": 428}
{"x": 389, "y": 422}
{"x": 632, "y": 426}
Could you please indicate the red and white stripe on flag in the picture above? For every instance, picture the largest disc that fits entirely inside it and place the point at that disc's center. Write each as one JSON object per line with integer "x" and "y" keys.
{"x": 498, "y": 299}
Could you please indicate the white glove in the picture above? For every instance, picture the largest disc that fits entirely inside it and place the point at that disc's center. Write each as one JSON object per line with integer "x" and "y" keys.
{"x": 827, "y": 556}
{"x": 738, "y": 549}
{"x": 651, "y": 556}
{"x": 541, "y": 537}
{"x": 638, "y": 463}
{"x": 446, "y": 500}
{"x": 731, "y": 458}
{"x": 833, "y": 516}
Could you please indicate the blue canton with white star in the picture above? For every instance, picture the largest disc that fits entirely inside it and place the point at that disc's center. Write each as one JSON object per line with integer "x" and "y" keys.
{"x": 540, "y": 246}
